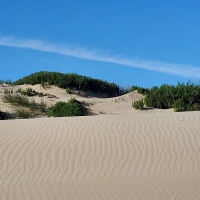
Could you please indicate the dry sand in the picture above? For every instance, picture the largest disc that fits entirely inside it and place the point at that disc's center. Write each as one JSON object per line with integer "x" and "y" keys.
{"x": 98, "y": 104}
{"x": 122, "y": 154}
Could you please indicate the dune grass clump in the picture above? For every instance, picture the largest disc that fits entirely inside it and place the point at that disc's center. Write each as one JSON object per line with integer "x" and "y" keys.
{"x": 63, "y": 109}
{"x": 183, "y": 97}
{"x": 27, "y": 92}
{"x": 138, "y": 104}
{"x": 23, "y": 113}
{"x": 24, "y": 107}
{"x": 6, "y": 91}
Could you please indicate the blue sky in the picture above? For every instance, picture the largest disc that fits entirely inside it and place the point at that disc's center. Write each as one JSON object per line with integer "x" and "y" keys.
{"x": 129, "y": 42}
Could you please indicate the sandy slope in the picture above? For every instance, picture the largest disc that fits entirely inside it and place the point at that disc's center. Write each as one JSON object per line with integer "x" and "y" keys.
{"x": 147, "y": 156}
{"x": 98, "y": 104}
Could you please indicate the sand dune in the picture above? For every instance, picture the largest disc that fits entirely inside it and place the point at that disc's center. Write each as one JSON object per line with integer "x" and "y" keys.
{"x": 147, "y": 156}
{"x": 97, "y": 103}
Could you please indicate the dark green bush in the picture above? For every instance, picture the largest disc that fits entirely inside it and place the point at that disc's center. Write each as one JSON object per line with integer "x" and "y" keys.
{"x": 4, "y": 115}
{"x": 183, "y": 97}
{"x": 63, "y": 109}
{"x": 138, "y": 104}
{"x": 179, "y": 105}
{"x": 162, "y": 97}
{"x": 70, "y": 81}
{"x": 140, "y": 90}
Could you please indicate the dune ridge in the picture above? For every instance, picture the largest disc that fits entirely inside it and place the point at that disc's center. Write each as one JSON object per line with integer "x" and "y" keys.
{"x": 127, "y": 156}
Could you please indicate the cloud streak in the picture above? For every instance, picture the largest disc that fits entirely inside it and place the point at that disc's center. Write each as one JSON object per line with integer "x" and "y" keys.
{"x": 83, "y": 53}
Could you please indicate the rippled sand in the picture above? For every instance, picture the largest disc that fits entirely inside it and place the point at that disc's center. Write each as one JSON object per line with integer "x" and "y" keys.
{"x": 147, "y": 156}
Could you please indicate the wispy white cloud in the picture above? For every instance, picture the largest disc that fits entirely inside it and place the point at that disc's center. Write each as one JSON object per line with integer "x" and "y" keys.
{"x": 170, "y": 68}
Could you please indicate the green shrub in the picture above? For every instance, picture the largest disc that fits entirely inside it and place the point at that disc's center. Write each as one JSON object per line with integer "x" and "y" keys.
{"x": 63, "y": 109}
{"x": 138, "y": 104}
{"x": 68, "y": 90}
{"x": 179, "y": 106}
{"x": 140, "y": 90}
{"x": 183, "y": 97}
{"x": 162, "y": 97}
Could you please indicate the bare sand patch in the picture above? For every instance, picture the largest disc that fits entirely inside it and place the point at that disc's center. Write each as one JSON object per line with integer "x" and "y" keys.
{"x": 123, "y": 156}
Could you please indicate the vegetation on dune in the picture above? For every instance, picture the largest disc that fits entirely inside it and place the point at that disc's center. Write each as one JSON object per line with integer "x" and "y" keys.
{"x": 26, "y": 92}
{"x": 68, "y": 90}
{"x": 24, "y": 106}
{"x": 70, "y": 81}
{"x": 138, "y": 104}
{"x": 63, "y": 109}
{"x": 140, "y": 90}
{"x": 183, "y": 97}
{"x": 29, "y": 92}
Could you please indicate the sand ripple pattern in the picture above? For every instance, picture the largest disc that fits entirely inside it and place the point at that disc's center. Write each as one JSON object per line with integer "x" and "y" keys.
{"x": 133, "y": 156}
